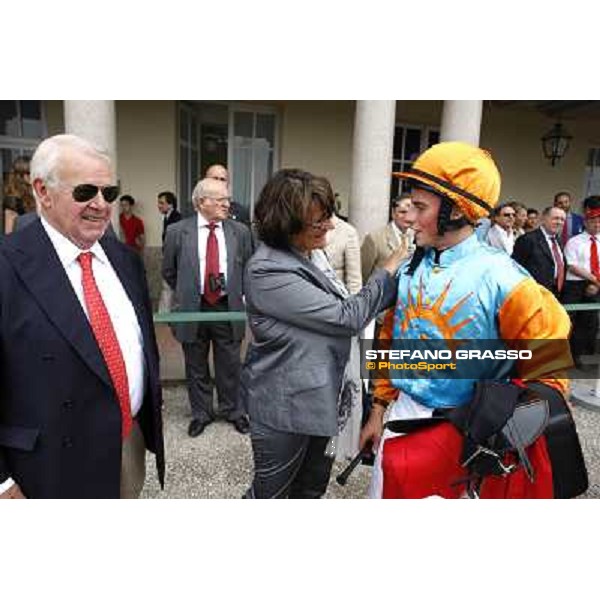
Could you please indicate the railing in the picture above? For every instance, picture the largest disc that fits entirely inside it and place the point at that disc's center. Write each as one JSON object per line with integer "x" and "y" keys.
{"x": 239, "y": 316}
{"x": 197, "y": 317}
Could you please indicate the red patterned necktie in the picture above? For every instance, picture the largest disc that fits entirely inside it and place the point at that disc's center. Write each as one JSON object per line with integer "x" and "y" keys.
{"x": 565, "y": 232}
{"x": 212, "y": 265}
{"x": 594, "y": 262}
{"x": 106, "y": 337}
{"x": 560, "y": 265}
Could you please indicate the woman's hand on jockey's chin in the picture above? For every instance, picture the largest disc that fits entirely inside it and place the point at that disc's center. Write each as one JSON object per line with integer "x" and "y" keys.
{"x": 394, "y": 260}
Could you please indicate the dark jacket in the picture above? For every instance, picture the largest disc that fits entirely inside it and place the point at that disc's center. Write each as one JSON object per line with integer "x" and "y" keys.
{"x": 60, "y": 421}
{"x": 532, "y": 252}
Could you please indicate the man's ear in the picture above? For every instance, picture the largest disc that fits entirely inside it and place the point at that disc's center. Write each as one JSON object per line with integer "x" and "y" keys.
{"x": 41, "y": 192}
{"x": 456, "y": 213}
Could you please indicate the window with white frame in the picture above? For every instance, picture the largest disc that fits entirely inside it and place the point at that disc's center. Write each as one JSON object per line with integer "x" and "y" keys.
{"x": 242, "y": 138}
{"x": 188, "y": 156}
{"x": 409, "y": 142}
{"x": 252, "y": 153}
{"x": 591, "y": 182}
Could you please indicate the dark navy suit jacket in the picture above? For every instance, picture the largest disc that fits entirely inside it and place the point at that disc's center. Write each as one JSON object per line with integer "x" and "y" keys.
{"x": 60, "y": 422}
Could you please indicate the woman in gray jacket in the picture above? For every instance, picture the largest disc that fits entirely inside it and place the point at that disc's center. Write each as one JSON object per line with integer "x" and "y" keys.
{"x": 302, "y": 322}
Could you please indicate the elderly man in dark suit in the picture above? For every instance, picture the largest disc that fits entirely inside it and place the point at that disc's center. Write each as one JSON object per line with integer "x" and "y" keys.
{"x": 541, "y": 252}
{"x": 203, "y": 262}
{"x": 80, "y": 400}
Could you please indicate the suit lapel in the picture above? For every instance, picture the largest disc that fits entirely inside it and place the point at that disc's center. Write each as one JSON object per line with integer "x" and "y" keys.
{"x": 189, "y": 248}
{"x": 40, "y": 270}
{"x": 542, "y": 243}
{"x": 317, "y": 274}
{"x": 231, "y": 245}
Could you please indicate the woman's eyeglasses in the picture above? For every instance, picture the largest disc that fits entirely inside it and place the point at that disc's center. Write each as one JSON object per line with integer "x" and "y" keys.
{"x": 322, "y": 224}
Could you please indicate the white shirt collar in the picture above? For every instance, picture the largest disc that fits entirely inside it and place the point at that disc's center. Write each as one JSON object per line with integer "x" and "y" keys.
{"x": 67, "y": 251}
{"x": 590, "y": 236}
{"x": 203, "y": 221}
{"x": 549, "y": 236}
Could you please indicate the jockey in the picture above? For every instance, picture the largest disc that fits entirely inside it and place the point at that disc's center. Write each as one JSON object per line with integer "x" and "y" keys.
{"x": 457, "y": 288}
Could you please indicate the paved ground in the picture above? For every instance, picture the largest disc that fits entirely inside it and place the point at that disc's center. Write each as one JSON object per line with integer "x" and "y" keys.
{"x": 217, "y": 464}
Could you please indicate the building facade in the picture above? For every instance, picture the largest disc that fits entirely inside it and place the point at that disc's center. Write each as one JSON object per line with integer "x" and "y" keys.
{"x": 167, "y": 145}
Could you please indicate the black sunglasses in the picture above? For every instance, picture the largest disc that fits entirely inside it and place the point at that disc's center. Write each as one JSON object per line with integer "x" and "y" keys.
{"x": 87, "y": 191}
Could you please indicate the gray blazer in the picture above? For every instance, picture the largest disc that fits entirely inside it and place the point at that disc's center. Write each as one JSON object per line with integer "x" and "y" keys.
{"x": 301, "y": 327}
{"x": 181, "y": 270}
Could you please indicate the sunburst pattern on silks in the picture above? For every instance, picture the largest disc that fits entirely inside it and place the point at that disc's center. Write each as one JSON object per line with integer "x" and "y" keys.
{"x": 473, "y": 292}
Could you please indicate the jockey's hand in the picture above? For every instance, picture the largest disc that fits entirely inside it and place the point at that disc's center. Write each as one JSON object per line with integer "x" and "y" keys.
{"x": 373, "y": 428}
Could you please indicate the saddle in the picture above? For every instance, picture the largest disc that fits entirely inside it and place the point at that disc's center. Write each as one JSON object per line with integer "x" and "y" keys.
{"x": 498, "y": 426}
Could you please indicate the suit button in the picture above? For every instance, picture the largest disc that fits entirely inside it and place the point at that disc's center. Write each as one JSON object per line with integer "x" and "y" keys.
{"x": 67, "y": 442}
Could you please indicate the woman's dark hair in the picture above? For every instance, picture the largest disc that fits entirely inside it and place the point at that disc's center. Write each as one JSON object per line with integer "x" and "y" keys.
{"x": 284, "y": 202}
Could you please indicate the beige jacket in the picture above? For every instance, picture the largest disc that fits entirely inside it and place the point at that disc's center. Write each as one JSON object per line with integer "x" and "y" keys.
{"x": 378, "y": 245}
{"x": 343, "y": 252}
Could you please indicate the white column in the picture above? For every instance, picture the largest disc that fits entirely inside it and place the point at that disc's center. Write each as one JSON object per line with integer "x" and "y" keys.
{"x": 461, "y": 121}
{"x": 371, "y": 164}
{"x": 95, "y": 121}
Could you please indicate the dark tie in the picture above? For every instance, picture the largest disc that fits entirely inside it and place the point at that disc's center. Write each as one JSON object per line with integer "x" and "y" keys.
{"x": 560, "y": 265}
{"x": 594, "y": 262}
{"x": 211, "y": 271}
{"x": 565, "y": 232}
{"x": 106, "y": 338}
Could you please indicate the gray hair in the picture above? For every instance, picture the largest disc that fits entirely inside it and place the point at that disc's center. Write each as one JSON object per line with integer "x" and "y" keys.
{"x": 202, "y": 188}
{"x": 47, "y": 157}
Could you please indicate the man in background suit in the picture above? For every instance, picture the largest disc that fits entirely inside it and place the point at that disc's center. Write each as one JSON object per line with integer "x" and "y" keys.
{"x": 167, "y": 207}
{"x": 573, "y": 224}
{"x": 378, "y": 245}
{"x": 541, "y": 253}
{"x": 80, "y": 397}
{"x": 203, "y": 262}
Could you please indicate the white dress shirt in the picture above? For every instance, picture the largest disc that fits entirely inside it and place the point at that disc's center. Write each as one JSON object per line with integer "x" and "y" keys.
{"x": 498, "y": 237}
{"x": 203, "y": 232}
{"x": 578, "y": 251}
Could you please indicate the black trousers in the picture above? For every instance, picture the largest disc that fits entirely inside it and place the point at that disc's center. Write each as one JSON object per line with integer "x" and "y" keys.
{"x": 585, "y": 323}
{"x": 288, "y": 465}
{"x": 227, "y": 364}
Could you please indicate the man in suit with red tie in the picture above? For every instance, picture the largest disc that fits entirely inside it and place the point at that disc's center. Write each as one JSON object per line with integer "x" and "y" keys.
{"x": 583, "y": 280}
{"x": 541, "y": 253}
{"x": 203, "y": 262}
{"x": 80, "y": 397}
